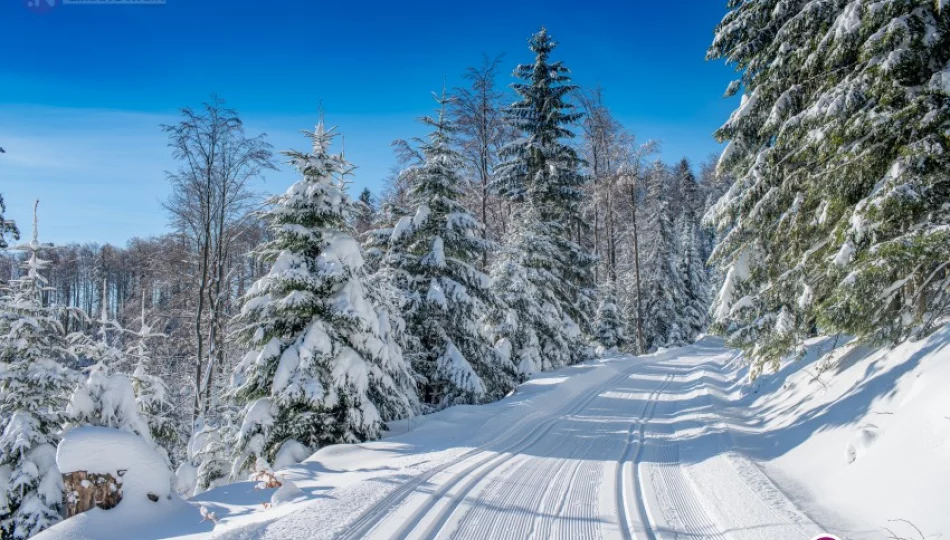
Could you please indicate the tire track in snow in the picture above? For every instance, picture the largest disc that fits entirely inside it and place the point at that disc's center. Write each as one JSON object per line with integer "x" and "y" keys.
{"x": 627, "y": 527}
{"x": 493, "y": 463}
{"x": 682, "y": 510}
{"x": 375, "y": 516}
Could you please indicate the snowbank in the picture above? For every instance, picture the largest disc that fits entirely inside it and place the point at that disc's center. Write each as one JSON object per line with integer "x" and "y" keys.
{"x": 861, "y": 434}
{"x": 143, "y": 472}
{"x": 123, "y": 455}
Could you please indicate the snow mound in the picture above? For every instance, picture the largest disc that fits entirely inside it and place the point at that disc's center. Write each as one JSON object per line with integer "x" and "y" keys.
{"x": 287, "y": 492}
{"x": 291, "y": 453}
{"x": 862, "y": 443}
{"x": 118, "y": 453}
{"x": 143, "y": 472}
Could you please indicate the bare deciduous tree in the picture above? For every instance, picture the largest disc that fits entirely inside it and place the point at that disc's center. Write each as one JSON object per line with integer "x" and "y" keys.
{"x": 210, "y": 203}
{"x": 477, "y": 112}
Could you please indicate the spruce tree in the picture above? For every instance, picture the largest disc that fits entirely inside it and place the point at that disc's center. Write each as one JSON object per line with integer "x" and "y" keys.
{"x": 540, "y": 174}
{"x": 609, "y": 325}
{"x": 319, "y": 370}
{"x": 151, "y": 392}
{"x": 837, "y": 221}
{"x": 432, "y": 260}
{"x": 34, "y": 384}
{"x": 663, "y": 284}
{"x": 694, "y": 303}
{"x": 107, "y": 396}
{"x": 528, "y": 326}
{"x": 8, "y": 229}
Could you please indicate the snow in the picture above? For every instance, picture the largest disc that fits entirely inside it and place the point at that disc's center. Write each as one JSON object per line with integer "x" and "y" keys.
{"x": 109, "y": 451}
{"x": 941, "y": 80}
{"x": 850, "y": 440}
{"x": 288, "y": 492}
{"x": 452, "y": 366}
{"x": 291, "y": 453}
{"x": 401, "y": 228}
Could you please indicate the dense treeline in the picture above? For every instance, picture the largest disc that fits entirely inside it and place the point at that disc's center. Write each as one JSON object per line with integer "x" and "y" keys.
{"x": 838, "y": 220}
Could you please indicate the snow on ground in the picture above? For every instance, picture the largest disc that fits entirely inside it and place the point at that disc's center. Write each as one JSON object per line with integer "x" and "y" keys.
{"x": 679, "y": 444}
{"x": 142, "y": 472}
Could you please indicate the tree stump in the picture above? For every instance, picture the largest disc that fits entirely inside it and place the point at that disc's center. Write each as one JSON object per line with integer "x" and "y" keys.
{"x": 85, "y": 491}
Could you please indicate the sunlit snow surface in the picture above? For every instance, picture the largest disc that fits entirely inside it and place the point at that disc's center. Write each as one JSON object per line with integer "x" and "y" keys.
{"x": 679, "y": 444}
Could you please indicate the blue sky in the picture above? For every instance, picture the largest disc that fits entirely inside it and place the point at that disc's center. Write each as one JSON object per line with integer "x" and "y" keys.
{"x": 83, "y": 88}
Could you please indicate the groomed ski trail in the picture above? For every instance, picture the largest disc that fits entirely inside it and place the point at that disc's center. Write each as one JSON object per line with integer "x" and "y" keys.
{"x": 642, "y": 452}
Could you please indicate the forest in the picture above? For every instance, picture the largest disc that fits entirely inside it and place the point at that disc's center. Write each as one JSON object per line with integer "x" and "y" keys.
{"x": 527, "y": 231}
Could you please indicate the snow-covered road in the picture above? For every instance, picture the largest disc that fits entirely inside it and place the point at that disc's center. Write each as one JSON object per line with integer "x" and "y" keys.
{"x": 633, "y": 448}
{"x": 655, "y": 447}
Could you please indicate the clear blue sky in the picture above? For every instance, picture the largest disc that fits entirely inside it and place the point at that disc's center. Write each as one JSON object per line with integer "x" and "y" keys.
{"x": 84, "y": 87}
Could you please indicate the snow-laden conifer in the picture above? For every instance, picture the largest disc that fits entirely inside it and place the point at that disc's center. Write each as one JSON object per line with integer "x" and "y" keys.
{"x": 838, "y": 219}
{"x": 432, "y": 260}
{"x": 320, "y": 368}
{"x": 540, "y": 174}
{"x": 34, "y": 385}
{"x": 663, "y": 284}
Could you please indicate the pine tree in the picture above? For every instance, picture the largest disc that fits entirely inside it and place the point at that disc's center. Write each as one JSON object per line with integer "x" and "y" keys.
{"x": 528, "y": 326}
{"x": 33, "y": 386}
{"x": 540, "y": 175}
{"x": 366, "y": 212}
{"x": 609, "y": 325}
{"x": 837, "y": 221}
{"x": 663, "y": 290}
{"x": 432, "y": 260}
{"x": 694, "y": 303}
{"x": 319, "y": 370}
{"x": 151, "y": 392}
{"x": 106, "y": 399}
{"x": 376, "y": 239}
{"x": 108, "y": 396}
{"x": 8, "y": 229}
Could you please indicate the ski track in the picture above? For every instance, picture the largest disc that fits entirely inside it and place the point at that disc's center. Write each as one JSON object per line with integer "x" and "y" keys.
{"x": 645, "y": 455}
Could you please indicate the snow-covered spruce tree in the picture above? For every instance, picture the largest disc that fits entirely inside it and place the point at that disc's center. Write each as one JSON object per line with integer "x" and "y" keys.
{"x": 432, "y": 260}
{"x": 609, "y": 325}
{"x": 366, "y": 213}
{"x": 151, "y": 392}
{"x": 319, "y": 370}
{"x": 540, "y": 175}
{"x": 376, "y": 240}
{"x": 838, "y": 217}
{"x": 694, "y": 303}
{"x": 527, "y": 324}
{"x": 34, "y": 386}
{"x": 8, "y": 229}
{"x": 106, "y": 397}
{"x": 663, "y": 285}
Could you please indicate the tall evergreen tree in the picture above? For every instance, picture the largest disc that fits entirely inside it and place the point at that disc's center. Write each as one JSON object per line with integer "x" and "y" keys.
{"x": 366, "y": 212}
{"x": 694, "y": 303}
{"x": 151, "y": 391}
{"x": 609, "y": 324}
{"x": 837, "y": 220}
{"x": 432, "y": 260}
{"x": 34, "y": 384}
{"x": 663, "y": 290}
{"x": 540, "y": 174}
{"x": 320, "y": 370}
